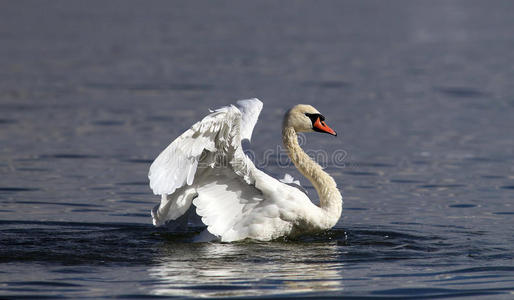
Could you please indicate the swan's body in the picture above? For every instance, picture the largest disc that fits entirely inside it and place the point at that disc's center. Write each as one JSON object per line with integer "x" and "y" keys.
{"x": 206, "y": 167}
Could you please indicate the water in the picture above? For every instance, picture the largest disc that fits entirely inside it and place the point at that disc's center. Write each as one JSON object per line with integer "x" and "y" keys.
{"x": 420, "y": 93}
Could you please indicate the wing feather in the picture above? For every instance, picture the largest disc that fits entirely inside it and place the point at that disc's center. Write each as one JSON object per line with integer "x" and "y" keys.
{"x": 177, "y": 164}
{"x": 250, "y": 110}
{"x": 218, "y": 135}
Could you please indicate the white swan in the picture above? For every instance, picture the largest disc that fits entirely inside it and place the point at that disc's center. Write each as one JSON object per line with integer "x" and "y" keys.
{"x": 206, "y": 167}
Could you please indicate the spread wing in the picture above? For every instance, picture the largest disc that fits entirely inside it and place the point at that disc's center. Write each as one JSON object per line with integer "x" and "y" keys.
{"x": 176, "y": 166}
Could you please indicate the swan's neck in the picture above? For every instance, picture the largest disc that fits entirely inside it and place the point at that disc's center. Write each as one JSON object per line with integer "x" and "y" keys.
{"x": 330, "y": 198}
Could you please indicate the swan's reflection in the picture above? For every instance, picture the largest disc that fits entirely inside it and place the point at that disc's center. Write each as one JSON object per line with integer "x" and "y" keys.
{"x": 246, "y": 269}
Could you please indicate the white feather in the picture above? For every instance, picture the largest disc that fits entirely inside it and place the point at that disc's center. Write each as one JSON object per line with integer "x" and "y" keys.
{"x": 290, "y": 179}
{"x": 250, "y": 109}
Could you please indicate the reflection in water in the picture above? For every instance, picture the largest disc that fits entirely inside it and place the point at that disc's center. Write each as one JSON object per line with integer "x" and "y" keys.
{"x": 217, "y": 269}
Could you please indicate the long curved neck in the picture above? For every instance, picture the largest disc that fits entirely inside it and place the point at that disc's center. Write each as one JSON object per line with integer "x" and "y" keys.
{"x": 329, "y": 196}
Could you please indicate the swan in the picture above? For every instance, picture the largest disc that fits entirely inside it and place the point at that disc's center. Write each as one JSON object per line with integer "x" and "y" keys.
{"x": 206, "y": 167}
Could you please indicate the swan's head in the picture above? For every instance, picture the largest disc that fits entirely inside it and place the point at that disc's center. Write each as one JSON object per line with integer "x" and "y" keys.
{"x": 305, "y": 118}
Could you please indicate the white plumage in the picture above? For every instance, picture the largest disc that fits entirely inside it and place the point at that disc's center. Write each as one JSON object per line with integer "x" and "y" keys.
{"x": 206, "y": 167}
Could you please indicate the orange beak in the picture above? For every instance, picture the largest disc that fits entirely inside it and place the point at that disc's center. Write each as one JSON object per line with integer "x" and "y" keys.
{"x": 321, "y": 126}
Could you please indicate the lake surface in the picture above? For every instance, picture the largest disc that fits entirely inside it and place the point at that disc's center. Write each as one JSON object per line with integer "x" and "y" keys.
{"x": 420, "y": 92}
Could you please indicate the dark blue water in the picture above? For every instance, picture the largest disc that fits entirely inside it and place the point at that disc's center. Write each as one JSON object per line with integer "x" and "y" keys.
{"x": 420, "y": 93}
